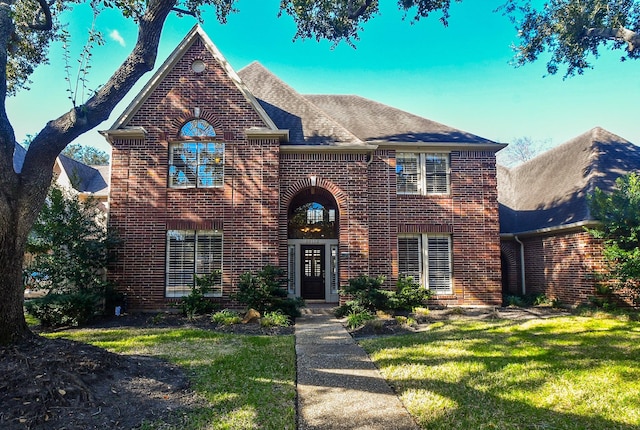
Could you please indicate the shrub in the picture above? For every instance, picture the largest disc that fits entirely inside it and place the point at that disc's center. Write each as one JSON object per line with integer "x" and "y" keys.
{"x": 226, "y": 317}
{"x": 275, "y": 319}
{"x": 357, "y": 319}
{"x": 265, "y": 292}
{"x": 196, "y": 303}
{"x": 409, "y": 294}
{"x": 367, "y": 293}
{"x": 64, "y": 309}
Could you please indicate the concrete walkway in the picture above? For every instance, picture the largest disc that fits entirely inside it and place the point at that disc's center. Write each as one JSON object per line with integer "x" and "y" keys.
{"x": 338, "y": 385}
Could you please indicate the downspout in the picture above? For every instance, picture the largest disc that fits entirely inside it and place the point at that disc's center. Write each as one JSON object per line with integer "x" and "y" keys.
{"x": 524, "y": 286}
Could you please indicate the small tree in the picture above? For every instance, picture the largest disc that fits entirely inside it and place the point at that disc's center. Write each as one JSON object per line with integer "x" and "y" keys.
{"x": 619, "y": 214}
{"x": 70, "y": 245}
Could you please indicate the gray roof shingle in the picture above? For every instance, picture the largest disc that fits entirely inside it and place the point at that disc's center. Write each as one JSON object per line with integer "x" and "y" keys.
{"x": 343, "y": 119}
{"x": 551, "y": 190}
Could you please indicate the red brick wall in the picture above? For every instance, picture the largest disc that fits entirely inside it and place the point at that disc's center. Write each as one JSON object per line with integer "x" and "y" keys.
{"x": 562, "y": 266}
{"x": 143, "y": 208}
{"x": 469, "y": 213}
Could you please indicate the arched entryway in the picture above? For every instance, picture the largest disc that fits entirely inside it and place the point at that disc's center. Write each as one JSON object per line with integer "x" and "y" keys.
{"x": 312, "y": 230}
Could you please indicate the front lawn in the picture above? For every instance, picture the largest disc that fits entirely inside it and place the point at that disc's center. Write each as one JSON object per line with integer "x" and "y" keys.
{"x": 247, "y": 382}
{"x": 560, "y": 373}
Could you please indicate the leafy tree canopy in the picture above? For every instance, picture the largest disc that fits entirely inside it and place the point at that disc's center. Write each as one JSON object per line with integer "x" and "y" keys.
{"x": 88, "y": 155}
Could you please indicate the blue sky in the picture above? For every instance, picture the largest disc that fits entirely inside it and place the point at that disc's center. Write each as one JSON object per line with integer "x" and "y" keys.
{"x": 459, "y": 75}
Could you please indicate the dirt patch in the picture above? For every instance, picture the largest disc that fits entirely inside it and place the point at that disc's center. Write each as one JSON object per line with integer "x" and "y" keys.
{"x": 61, "y": 384}
{"x": 391, "y": 326}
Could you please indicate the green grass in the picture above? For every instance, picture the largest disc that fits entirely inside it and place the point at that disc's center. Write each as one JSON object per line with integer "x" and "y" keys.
{"x": 247, "y": 381}
{"x": 563, "y": 373}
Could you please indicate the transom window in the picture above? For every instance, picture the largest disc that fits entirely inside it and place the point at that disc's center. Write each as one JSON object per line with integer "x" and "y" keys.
{"x": 422, "y": 173}
{"x": 197, "y": 128}
{"x": 313, "y": 220}
{"x": 196, "y": 163}
{"x": 191, "y": 253}
{"x": 427, "y": 259}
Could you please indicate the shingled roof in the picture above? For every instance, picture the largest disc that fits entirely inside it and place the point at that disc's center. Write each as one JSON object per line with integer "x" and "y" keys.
{"x": 343, "y": 119}
{"x": 551, "y": 190}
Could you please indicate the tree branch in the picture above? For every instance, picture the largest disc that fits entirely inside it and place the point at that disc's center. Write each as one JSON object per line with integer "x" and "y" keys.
{"x": 361, "y": 10}
{"x": 618, "y": 34}
{"x": 48, "y": 21}
{"x": 52, "y": 139}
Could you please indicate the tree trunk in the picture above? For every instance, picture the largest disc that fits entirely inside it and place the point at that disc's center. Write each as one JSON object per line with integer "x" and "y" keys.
{"x": 13, "y": 327}
{"x": 22, "y": 194}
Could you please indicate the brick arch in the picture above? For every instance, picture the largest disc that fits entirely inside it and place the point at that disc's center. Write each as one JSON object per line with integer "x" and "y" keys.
{"x": 178, "y": 122}
{"x": 303, "y": 184}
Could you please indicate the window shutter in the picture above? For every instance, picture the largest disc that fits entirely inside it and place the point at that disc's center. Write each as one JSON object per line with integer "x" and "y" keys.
{"x": 409, "y": 257}
{"x": 439, "y": 258}
{"x": 180, "y": 262}
{"x": 292, "y": 270}
{"x": 209, "y": 256}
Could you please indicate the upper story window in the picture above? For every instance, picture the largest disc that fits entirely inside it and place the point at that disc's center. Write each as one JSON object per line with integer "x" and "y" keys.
{"x": 422, "y": 173}
{"x": 196, "y": 163}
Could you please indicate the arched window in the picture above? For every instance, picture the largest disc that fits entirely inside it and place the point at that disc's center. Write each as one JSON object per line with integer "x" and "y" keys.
{"x": 197, "y": 128}
{"x": 313, "y": 216}
{"x": 196, "y": 163}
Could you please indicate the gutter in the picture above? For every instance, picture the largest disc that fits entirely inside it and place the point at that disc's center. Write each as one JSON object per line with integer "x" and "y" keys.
{"x": 522, "y": 271}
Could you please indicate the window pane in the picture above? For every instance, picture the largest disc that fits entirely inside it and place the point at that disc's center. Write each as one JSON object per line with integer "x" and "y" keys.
{"x": 209, "y": 257}
{"x": 439, "y": 264}
{"x": 407, "y": 173}
{"x": 211, "y": 165}
{"x": 409, "y": 257}
{"x": 197, "y": 128}
{"x": 189, "y": 253}
{"x": 180, "y": 262}
{"x": 437, "y": 173}
{"x": 183, "y": 167}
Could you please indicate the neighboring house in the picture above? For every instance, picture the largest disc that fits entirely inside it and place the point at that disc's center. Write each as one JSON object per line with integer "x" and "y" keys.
{"x": 214, "y": 170}
{"x": 87, "y": 181}
{"x": 544, "y": 212}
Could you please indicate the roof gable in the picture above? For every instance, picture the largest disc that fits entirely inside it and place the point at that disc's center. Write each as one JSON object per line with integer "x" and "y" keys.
{"x": 551, "y": 190}
{"x": 306, "y": 122}
{"x": 196, "y": 33}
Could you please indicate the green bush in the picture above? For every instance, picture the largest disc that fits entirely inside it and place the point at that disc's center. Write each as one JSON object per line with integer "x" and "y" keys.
{"x": 409, "y": 294}
{"x": 226, "y": 317}
{"x": 197, "y": 302}
{"x": 64, "y": 309}
{"x": 265, "y": 292}
{"x": 275, "y": 319}
{"x": 367, "y": 293}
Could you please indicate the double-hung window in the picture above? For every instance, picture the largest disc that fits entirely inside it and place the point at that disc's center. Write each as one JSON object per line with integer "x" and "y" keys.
{"x": 422, "y": 173}
{"x": 427, "y": 259}
{"x": 192, "y": 253}
{"x": 196, "y": 163}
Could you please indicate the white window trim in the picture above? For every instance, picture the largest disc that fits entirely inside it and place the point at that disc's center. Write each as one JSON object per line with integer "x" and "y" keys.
{"x": 422, "y": 173}
{"x": 424, "y": 259}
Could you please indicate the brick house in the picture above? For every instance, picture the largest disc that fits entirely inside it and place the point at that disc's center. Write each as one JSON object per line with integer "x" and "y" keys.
{"x": 218, "y": 170}
{"x": 544, "y": 212}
